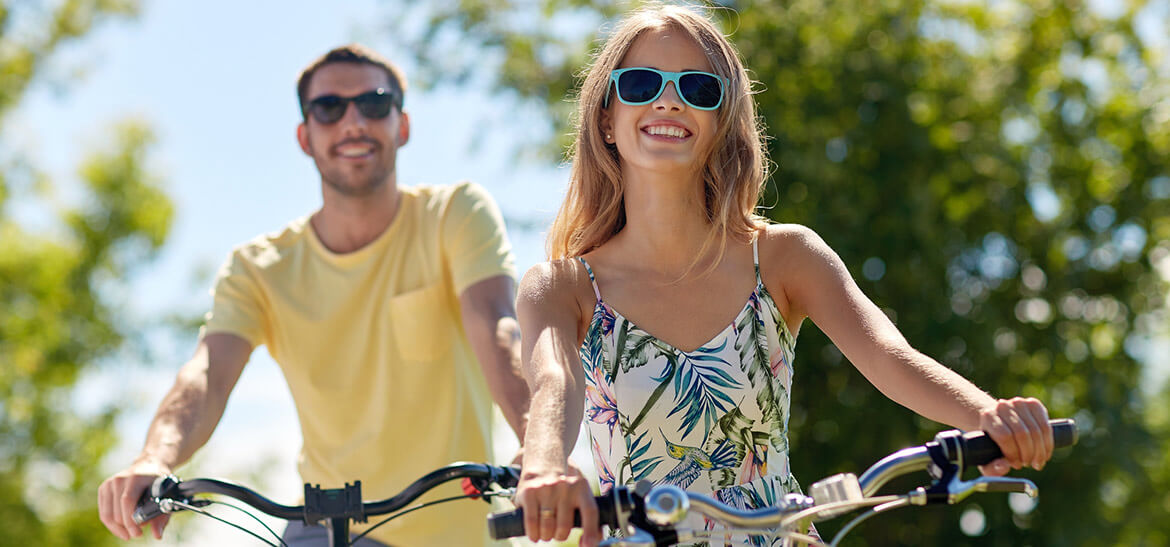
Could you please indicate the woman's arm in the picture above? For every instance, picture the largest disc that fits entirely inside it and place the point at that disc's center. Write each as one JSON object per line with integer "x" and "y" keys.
{"x": 551, "y": 320}
{"x": 817, "y": 285}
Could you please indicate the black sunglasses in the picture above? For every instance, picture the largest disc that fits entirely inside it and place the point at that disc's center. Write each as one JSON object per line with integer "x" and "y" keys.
{"x": 373, "y": 105}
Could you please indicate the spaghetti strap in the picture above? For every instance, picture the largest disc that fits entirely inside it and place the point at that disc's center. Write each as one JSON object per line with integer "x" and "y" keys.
{"x": 593, "y": 280}
{"x": 755, "y": 259}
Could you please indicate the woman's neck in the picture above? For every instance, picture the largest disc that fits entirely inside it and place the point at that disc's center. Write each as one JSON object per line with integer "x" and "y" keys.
{"x": 666, "y": 220}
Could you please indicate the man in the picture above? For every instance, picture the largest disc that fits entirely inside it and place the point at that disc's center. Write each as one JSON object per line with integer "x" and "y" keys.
{"x": 376, "y": 307}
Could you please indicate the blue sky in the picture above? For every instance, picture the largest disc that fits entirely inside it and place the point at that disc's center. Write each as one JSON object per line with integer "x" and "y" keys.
{"x": 216, "y": 81}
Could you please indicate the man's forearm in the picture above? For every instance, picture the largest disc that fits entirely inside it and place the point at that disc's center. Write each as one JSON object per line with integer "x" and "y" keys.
{"x": 502, "y": 371}
{"x": 186, "y": 417}
{"x": 489, "y": 320}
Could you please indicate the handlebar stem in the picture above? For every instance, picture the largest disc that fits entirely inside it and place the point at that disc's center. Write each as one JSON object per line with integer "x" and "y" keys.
{"x": 345, "y": 503}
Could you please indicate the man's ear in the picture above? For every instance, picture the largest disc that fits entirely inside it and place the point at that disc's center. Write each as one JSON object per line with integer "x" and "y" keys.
{"x": 303, "y": 138}
{"x": 403, "y": 128}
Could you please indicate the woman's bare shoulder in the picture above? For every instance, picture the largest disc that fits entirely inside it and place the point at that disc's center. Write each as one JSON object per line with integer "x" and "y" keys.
{"x": 557, "y": 282}
{"x": 789, "y": 242}
{"x": 798, "y": 262}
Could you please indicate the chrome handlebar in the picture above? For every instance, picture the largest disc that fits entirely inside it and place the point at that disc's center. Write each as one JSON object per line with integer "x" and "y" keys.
{"x": 654, "y": 512}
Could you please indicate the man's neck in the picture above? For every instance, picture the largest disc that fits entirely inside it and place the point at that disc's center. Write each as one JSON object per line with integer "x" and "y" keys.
{"x": 345, "y": 224}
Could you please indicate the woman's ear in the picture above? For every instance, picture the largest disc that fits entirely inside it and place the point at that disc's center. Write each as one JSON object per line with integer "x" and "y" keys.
{"x": 607, "y": 127}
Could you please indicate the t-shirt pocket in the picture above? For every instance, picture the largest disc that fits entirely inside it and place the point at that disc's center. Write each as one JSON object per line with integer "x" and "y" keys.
{"x": 421, "y": 323}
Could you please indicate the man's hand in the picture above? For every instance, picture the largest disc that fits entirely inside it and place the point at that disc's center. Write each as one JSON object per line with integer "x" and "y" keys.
{"x": 118, "y": 496}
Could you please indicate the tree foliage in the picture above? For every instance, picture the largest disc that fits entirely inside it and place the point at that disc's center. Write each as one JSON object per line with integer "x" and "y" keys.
{"x": 59, "y": 316}
{"x": 995, "y": 175}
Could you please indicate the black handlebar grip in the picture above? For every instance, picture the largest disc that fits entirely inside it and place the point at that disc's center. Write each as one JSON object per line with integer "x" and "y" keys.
{"x": 147, "y": 508}
{"x": 981, "y": 450}
{"x": 511, "y": 524}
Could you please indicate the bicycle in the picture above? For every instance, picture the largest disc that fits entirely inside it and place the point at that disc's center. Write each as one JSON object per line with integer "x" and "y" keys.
{"x": 649, "y": 515}
{"x": 334, "y": 507}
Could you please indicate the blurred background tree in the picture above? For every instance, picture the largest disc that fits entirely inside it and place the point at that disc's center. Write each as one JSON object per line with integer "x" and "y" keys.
{"x": 61, "y": 288}
{"x": 996, "y": 177}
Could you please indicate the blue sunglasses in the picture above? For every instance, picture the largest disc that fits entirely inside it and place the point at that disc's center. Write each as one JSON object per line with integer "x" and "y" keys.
{"x": 641, "y": 85}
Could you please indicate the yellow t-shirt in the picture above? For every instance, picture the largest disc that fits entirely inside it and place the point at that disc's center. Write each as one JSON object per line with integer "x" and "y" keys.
{"x": 371, "y": 343}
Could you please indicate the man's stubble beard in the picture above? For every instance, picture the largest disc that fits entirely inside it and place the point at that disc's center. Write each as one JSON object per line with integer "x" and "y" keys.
{"x": 365, "y": 186}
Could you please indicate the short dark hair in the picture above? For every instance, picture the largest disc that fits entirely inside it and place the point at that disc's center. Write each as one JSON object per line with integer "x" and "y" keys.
{"x": 357, "y": 54}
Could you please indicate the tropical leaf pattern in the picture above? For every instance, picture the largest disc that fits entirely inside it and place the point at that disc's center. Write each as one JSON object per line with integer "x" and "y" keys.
{"x": 713, "y": 420}
{"x": 639, "y": 464}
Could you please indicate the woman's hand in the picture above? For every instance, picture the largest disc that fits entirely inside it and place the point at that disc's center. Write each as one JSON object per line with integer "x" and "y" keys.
{"x": 549, "y": 500}
{"x": 1020, "y": 427}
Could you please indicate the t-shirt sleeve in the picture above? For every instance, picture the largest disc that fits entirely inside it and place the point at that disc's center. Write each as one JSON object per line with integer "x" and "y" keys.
{"x": 475, "y": 243}
{"x": 236, "y": 303}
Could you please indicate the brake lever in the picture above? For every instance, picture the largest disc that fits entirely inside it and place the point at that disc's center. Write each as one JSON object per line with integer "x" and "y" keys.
{"x": 1005, "y": 484}
{"x": 957, "y": 490}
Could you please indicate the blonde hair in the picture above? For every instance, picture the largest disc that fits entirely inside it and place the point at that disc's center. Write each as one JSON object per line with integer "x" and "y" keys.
{"x": 733, "y": 173}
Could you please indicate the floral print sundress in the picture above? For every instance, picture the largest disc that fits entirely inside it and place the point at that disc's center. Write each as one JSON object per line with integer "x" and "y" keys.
{"x": 712, "y": 421}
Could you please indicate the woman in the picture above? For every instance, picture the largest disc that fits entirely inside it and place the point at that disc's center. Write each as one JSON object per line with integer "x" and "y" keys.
{"x": 667, "y": 316}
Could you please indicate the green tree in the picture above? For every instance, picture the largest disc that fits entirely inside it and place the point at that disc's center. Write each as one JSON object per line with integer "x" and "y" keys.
{"x": 996, "y": 178}
{"x": 59, "y": 315}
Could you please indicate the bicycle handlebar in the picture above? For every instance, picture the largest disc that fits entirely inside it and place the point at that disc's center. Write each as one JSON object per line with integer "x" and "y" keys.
{"x": 155, "y": 501}
{"x": 946, "y": 457}
{"x": 963, "y": 450}
{"x": 338, "y": 503}
{"x": 966, "y": 450}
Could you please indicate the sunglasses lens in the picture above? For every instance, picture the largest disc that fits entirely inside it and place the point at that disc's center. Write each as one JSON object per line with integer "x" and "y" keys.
{"x": 639, "y": 86}
{"x": 374, "y": 105}
{"x": 328, "y": 109}
{"x": 701, "y": 90}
